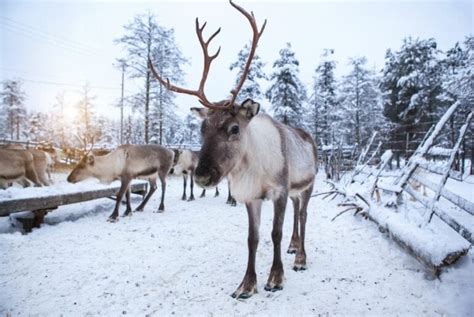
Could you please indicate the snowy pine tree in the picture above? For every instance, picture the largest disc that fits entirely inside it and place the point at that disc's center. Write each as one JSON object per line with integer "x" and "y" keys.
{"x": 251, "y": 88}
{"x": 192, "y": 133}
{"x": 286, "y": 93}
{"x": 13, "y": 107}
{"x": 323, "y": 112}
{"x": 458, "y": 79}
{"x": 360, "y": 101}
{"x": 411, "y": 86}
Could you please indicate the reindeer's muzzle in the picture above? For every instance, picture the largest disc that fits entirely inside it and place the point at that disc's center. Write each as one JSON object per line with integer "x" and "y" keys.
{"x": 209, "y": 178}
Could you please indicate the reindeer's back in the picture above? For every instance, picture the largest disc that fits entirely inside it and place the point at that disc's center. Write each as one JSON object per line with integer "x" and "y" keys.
{"x": 149, "y": 156}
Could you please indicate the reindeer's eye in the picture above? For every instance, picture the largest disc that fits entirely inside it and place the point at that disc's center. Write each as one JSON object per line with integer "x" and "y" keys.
{"x": 234, "y": 129}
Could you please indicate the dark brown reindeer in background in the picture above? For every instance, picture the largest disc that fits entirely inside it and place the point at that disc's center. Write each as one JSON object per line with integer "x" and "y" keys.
{"x": 126, "y": 163}
{"x": 262, "y": 158}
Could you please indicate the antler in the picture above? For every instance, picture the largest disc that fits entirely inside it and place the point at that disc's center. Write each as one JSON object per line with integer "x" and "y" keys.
{"x": 256, "y": 37}
{"x": 207, "y": 63}
{"x": 208, "y": 60}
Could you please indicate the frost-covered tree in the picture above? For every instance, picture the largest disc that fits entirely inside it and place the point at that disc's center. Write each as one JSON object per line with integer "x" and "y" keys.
{"x": 192, "y": 133}
{"x": 458, "y": 79}
{"x": 323, "y": 112}
{"x": 251, "y": 88}
{"x": 145, "y": 38}
{"x": 360, "y": 101}
{"x": 85, "y": 122}
{"x": 13, "y": 107}
{"x": 411, "y": 86}
{"x": 286, "y": 93}
{"x": 39, "y": 129}
{"x": 61, "y": 126}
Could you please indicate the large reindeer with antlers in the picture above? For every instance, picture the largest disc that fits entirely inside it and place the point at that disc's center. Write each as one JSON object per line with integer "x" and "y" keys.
{"x": 263, "y": 159}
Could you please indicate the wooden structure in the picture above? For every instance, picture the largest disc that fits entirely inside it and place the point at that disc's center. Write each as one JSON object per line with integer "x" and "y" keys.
{"x": 419, "y": 161}
{"x": 40, "y": 206}
{"x": 453, "y": 210}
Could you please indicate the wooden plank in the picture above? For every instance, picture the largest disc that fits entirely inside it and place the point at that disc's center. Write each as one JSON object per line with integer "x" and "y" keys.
{"x": 410, "y": 249}
{"x": 459, "y": 228}
{"x": 10, "y": 206}
{"x": 440, "y": 170}
{"x": 452, "y": 197}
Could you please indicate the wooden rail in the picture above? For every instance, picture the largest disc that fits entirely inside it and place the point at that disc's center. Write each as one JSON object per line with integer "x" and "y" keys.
{"x": 54, "y": 200}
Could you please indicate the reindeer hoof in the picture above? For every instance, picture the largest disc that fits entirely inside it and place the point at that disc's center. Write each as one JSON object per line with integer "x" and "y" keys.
{"x": 191, "y": 199}
{"x": 241, "y": 295}
{"x": 273, "y": 289}
{"x": 183, "y": 198}
{"x": 138, "y": 210}
{"x": 299, "y": 267}
{"x": 110, "y": 219}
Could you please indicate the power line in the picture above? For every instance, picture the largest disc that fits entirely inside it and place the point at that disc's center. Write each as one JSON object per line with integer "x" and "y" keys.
{"x": 45, "y": 82}
{"x": 53, "y": 36}
{"x": 57, "y": 83}
{"x": 45, "y": 39}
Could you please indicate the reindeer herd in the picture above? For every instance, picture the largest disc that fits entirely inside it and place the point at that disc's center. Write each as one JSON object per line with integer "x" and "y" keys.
{"x": 261, "y": 158}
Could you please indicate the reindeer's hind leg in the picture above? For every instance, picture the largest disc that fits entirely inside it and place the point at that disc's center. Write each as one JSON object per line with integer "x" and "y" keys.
{"x": 191, "y": 185}
{"x": 152, "y": 189}
{"x": 203, "y": 194}
{"x": 295, "y": 238}
{"x": 128, "y": 211}
{"x": 275, "y": 280}
{"x": 185, "y": 176}
{"x": 300, "y": 259}
{"x": 31, "y": 174}
{"x": 123, "y": 188}
{"x": 217, "y": 192}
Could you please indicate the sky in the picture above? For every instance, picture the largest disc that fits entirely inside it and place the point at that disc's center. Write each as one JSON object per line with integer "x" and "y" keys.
{"x": 58, "y": 46}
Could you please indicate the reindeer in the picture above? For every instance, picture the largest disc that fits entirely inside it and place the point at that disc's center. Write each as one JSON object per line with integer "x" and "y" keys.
{"x": 126, "y": 163}
{"x": 41, "y": 161}
{"x": 262, "y": 158}
{"x": 185, "y": 162}
{"x": 17, "y": 166}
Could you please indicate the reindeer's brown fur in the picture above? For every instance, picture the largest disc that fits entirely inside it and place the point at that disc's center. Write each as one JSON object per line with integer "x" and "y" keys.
{"x": 263, "y": 160}
{"x": 126, "y": 163}
{"x": 17, "y": 165}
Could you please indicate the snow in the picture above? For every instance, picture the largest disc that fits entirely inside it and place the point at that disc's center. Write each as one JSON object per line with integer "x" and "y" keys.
{"x": 189, "y": 259}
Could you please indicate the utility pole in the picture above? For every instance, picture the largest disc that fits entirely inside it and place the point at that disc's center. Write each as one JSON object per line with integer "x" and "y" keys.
{"x": 123, "y": 65}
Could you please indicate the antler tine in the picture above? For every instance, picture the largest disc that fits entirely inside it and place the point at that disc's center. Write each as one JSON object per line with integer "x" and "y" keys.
{"x": 256, "y": 36}
{"x": 199, "y": 93}
{"x": 207, "y": 62}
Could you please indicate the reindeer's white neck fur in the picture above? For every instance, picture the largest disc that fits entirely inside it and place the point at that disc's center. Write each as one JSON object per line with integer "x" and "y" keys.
{"x": 107, "y": 168}
{"x": 262, "y": 161}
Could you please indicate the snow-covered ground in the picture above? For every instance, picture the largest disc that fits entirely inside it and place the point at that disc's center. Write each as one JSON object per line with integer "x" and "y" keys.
{"x": 189, "y": 259}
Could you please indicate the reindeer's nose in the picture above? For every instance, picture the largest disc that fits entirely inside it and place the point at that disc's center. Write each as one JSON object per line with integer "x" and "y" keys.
{"x": 207, "y": 179}
{"x": 69, "y": 179}
{"x": 203, "y": 181}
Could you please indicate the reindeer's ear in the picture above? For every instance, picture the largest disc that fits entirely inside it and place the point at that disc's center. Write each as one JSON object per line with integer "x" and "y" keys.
{"x": 90, "y": 159}
{"x": 201, "y": 113}
{"x": 249, "y": 108}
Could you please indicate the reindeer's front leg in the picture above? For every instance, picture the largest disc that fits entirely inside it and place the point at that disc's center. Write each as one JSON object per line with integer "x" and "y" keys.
{"x": 275, "y": 280}
{"x": 248, "y": 287}
{"x": 125, "y": 181}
